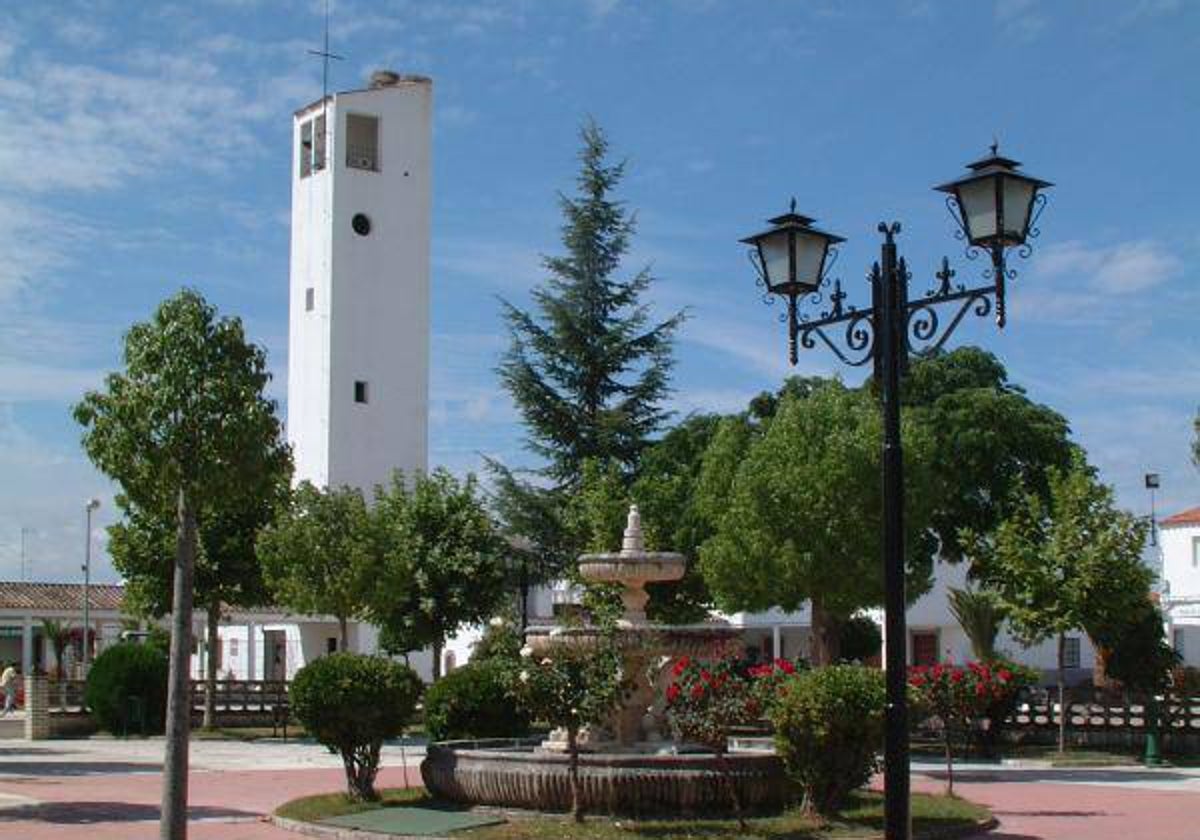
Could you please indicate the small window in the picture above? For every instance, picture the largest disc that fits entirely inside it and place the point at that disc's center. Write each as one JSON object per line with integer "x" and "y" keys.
{"x": 1196, "y": 552}
{"x": 233, "y": 647}
{"x": 306, "y": 148}
{"x": 360, "y": 391}
{"x": 331, "y": 644}
{"x": 309, "y": 299}
{"x": 362, "y": 142}
{"x": 319, "y": 137}
{"x": 1071, "y": 652}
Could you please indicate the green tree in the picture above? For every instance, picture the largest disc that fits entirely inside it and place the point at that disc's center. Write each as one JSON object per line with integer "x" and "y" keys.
{"x": 320, "y": 556}
{"x": 443, "y": 562}
{"x": 991, "y": 443}
{"x": 228, "y": 572}
{"x": 980, "y": 615}
{"x": 587, "y": 367}
{"x": 589, "y": 372}
{"x": 1070, "y": 563}
{"x": 186, "y": 421}
{"x": 799, "y": 522}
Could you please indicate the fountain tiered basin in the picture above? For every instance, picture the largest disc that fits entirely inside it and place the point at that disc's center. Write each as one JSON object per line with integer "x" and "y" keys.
{"x": 630, "y": 766}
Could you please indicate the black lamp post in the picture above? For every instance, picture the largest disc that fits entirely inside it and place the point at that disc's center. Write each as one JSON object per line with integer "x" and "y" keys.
{"x": 996, "y": 208}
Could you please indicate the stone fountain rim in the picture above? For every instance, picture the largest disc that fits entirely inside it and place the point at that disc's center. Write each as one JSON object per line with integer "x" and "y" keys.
{"x": 525, "y": 750}
{"x": 623, "y": 559}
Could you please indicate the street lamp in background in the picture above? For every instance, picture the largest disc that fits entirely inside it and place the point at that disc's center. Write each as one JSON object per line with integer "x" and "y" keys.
{"x": 1152, "y": 484}
{"x": 91, "y": 505}
{"x": 996, "y": 207}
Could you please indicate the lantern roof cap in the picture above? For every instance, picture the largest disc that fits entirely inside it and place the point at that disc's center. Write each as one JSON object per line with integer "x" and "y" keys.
{"x": 792, "y": 220}
{"x": 992, "y": 164}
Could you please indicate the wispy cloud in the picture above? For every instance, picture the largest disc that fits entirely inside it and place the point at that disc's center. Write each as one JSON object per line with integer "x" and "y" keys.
{"x": 1022, "y": 19}
{"x": 1124, "y": 268}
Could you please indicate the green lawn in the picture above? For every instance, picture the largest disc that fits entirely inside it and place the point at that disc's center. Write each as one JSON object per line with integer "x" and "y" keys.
{"x": 863, "y": 818}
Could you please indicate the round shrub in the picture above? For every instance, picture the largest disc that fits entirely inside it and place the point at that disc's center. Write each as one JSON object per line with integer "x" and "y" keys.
{"x": 473, "y": 702}
{"x": 127, "y": 689}
{"x": 351, "y": 704}
{"x": 828, "y": 730}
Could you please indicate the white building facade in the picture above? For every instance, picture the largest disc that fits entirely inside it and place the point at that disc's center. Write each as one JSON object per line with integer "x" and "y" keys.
{"x": 1179, "y": 542}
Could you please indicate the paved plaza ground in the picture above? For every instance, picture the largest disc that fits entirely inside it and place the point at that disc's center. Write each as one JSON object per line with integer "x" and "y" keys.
{"x": 103, "y": 788}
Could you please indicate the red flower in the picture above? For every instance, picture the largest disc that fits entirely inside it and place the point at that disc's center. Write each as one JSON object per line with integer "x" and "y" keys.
{"x": 916, "y": 680}
{"x": 697, "y": 691}
{"x": 706, "y": 675}
{"x": 760, "y": 671}
{"x": 1004, "y": 674}
{"x": 680, "y": 664}
{"x": 672, "y": 692}
{"x": 980, "y": 689}
{"x": 785, "y": 666}
{"x": 956, "y": 676}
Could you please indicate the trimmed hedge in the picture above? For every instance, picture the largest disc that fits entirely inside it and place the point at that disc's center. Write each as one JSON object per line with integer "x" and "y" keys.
{"x": 351, "y": 704}
{"x": 828, "y": 732}
{"x": 127, "y": 689}
{"x": 473, "y": 702}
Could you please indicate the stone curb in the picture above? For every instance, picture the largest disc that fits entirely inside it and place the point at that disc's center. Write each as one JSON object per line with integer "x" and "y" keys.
{"x": 316, "y": 830}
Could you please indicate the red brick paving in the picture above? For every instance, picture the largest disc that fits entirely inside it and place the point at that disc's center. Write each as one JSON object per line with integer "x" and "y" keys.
{"x": 124, "y": 806}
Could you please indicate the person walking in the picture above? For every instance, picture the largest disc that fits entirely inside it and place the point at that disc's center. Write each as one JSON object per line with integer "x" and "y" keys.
{"x": 8, "y": 684}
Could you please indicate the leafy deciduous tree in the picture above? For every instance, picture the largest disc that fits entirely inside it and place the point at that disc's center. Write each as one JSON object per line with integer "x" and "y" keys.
{"x": 320, "y": 556}
{"x": 799, "y": 521}
{"x": 1070, "y": 563}
{"x": 186, "y": 421}
{"x": 443, "y": 562}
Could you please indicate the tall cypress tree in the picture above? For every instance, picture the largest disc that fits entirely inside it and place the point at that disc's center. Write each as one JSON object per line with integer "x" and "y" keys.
{"x": 587, "y": 368}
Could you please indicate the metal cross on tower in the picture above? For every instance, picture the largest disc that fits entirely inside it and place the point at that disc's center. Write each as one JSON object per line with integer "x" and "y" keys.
{"x": 324, "y": 54}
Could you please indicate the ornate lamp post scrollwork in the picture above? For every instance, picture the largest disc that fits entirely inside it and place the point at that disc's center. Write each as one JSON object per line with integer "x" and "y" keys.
{"x": 996, "y": 208}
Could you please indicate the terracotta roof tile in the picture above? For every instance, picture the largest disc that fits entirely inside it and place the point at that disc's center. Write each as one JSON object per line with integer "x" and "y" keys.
{"x": 1187, "y": 517}
{"x": 53, "y": 597}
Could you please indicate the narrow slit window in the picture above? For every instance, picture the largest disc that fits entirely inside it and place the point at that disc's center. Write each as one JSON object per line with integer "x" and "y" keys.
{"x": 362, "y": 142}
{"x": 319, "y": 139}
{"x": 309, "y": 299}
{"x": 360, "y": 391}
{"x": 306, "y": 149}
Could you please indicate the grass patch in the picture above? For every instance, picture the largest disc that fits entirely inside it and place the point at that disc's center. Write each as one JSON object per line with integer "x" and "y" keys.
{"x": 864, "y": 817}
{"x": 325, "y": 805}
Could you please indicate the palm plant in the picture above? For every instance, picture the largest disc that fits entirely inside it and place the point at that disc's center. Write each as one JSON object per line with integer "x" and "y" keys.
{"x": 980, "y": 614}
{"x": 59, "y": 636}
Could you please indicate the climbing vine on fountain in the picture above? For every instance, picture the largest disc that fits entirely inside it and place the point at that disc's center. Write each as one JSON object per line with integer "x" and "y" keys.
{"x": 570, "y": 684}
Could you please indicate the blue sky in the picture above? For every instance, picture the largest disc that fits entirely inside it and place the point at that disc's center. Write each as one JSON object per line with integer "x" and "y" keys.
{"x": 146, "y": 147}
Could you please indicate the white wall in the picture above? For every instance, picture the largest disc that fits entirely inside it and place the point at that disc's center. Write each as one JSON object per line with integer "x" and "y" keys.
{"x": 371, "y": 316}
{"x": 1179, "y": 570}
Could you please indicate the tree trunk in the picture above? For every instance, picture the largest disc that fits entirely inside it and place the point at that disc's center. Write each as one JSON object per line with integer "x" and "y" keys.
{"x": 946, "y": 740}
{"x": 824, "y": 635}
{"x": 344, "y": 630}
{"x": 437, "y": 659}
{"x": 213, "y": 643}
{"x": 1062, "y": 706}
{"x": 573, "y": 772}
{"x": 173, "y": 823}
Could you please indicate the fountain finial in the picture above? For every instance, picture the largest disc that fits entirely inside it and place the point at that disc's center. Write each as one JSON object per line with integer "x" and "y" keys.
{"x": 632, "y": 542}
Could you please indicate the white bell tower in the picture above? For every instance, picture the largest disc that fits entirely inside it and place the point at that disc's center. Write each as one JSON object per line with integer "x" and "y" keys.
{"x": 358, "y": 332}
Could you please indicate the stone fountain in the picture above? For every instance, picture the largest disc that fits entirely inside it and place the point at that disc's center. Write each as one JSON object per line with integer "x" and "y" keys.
{"x": 629, "y": 766}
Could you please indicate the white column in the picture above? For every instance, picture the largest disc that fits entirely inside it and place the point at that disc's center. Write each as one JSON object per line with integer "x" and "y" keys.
{"x": 27, "y": 645}
{"x": 776, "y": 642}
{"x": 251, "y": 651}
